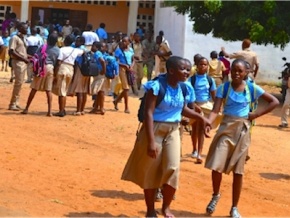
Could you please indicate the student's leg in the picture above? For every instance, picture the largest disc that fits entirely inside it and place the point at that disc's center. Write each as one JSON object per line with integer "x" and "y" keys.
{"x": 6, "y": 66}
{"x": 29, "y": 100}
{"x": 101, "y": 97}
{"x": 200, "y": 137}
{"x": 79, "y": 101}
{"x": 149, "y": 195}
{"x": 84, "y": 103}
{"x": 237, "y": 188}
{"x": 61, "y": 104}
{"x": 194, "y": 139}
{"x": 2, "y": 69}
{"x": 49, "y": 101}
{"x": 168, "y": 193}
{"x": 126, "y": 100}
{"x": 216, "y": 182}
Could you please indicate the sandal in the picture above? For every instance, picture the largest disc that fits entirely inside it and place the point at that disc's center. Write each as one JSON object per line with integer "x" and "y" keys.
{"x": 102, "y": 111}
{"x": 77, "y": 113}
{"x": 199, "y": 159}
{"x": 127, "y": 111}
{"x": 212, "y": 204}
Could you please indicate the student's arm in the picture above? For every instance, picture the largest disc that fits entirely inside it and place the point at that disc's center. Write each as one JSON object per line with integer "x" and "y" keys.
{"x": 148, "y": 123}
{"x": 187, "y": 112}
{"x": 212, "y": 94}
{"x": 56, "y": 68}
{"x": 272, "y": 103}
{"x": 256, "y": 67}
{"x": 103, "y": 63}
{"x": 216, "y": 109}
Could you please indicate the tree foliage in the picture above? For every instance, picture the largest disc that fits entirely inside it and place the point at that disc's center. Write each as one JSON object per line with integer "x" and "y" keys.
{"x": 264, "y": 22}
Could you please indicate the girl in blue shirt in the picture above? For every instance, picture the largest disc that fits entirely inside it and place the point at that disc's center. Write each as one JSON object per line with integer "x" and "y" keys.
{"x": 155, "y": 159}
{"x": 229, "y": 148}
{"x": 125, "y": 56}
{"x": 4, "y": 53}
{"x": 204, "y": 91}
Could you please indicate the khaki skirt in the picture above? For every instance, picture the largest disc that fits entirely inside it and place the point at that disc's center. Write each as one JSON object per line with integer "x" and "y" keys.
{"x": 98, "y": 84}
{"x": 79, "y": 84}
{"x": 44, "y": 83}
{"x": 63, "y": 79}
{"x": 151, "y": 173}
{"x": 229, "y": 148}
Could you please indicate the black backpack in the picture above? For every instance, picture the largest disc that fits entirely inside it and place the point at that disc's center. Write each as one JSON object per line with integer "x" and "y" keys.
{"x": 89, "y": 65}
{"x": 161, "y": 94}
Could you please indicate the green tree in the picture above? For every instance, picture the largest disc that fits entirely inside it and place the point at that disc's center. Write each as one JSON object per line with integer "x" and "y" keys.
{"x": 264, "y": 22}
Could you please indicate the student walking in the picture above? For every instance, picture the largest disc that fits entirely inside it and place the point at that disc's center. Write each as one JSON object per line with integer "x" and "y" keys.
{"x": 229, "y": 147}
{"x": 155, "y": 159}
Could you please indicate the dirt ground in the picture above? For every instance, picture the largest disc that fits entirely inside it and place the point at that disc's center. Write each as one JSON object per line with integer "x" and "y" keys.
{"x": 71, "y": 166}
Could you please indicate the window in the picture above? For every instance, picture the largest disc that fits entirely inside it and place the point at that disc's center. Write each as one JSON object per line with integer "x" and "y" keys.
{"x": 90, "y": 2}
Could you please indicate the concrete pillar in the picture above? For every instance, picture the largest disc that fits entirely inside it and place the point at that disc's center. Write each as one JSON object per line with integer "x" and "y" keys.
{"x": 24, "y": 10}
{"x": 132, "y": 17}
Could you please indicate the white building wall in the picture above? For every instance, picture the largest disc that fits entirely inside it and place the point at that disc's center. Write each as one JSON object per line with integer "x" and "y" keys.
{"x": 184, "y": 42}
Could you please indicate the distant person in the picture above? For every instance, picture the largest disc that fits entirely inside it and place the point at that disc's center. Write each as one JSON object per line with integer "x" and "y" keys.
{"x": 164, "y": 40}
{"x": 4, "y": 48}
{"x": 66, "y": 29}
{"x": 248, "y": 55}
{"x": 148, "y": 54}
{"x": 138, "y": 66}
{"x": 102, "y": 33}
{"x": 216, "y": 68}
{"x": 285, "y": 107}
{"x": 196, "y": 58}
{"x": 163, "y": 53}
{"x": 90, "y": 37}
{"x": 227, "y": 64}
{"x": 18, "y": 53}
{"x": 44, "y": 84}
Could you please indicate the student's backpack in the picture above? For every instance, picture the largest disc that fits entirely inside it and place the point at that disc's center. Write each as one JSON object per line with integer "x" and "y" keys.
{"x": 209, "y": 79}
{"x": 112, "y": 66}
{"x": 38, "y": 61}
{"x": 250, "y": 87}
{"x": 161, "y": 94}
{"x": 89, "y": 65}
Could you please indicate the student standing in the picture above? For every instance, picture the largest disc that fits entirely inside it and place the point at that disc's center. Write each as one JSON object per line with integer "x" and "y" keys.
{"x": 204, "y": 88}
{"x": 216, "y": 68}
{"x": 148, "y": 54}
{"x": 45, "y": 83}
{"x": 125, "y": 56}
{"x": 63, "y": 72}
{"x": 285, "y": 107}
{"x": 155, "y": 159}
{"x": 5, "y": 47}
{"x": 229, "y": 147}
{"x": 17, "y": 51}
{"x": 138, "y": 66}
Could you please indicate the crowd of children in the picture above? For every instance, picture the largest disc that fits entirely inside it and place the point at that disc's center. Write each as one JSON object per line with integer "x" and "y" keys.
{"x": 208, "y": 93}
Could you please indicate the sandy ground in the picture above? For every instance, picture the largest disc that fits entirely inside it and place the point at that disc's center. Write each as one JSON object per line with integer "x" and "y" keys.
{"x": 72, "y": 166}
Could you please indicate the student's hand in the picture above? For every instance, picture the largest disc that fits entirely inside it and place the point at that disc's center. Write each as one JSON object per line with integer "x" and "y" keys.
{"x": 252, "y": 116}
{"x": 222, "y": 48}
{"x": 26, "y": 61}
{"x": 207, "y": 127}
{"x": 152, "y": 150}
{"x": 197, "y": 109}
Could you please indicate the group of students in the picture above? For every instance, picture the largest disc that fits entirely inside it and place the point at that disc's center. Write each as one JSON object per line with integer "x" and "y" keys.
{"x": 155, "y": 160}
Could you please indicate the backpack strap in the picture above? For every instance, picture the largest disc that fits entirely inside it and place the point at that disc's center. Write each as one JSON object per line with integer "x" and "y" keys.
{"x": 162, "y": 90}
{"x": 184, "y": 89}
{"x": 192, "y": 80}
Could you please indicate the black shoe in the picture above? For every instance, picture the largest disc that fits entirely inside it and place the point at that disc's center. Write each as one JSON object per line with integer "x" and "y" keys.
{"x": 60, "y": 114}
{"x": 283, "y": 125}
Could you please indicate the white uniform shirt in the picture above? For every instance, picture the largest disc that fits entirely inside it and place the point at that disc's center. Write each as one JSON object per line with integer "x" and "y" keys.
{"x": 1, "y": 41}
{"x": 90, "y": 37}
{"x": 69, "y": 54}
{"x": 33, "y": 41}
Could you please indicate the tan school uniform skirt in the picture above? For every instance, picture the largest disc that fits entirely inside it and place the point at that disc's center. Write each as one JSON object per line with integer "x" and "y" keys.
{"x": 229, "y": 148}
{"x": 98, "y": 84}
{"x": 79, "y": 84}
{"x": 44, "y": 83}
{"x": 151, "y": 173}
{"x": 123, "y": 78}
{"x": 4, "y": 56}
{"x": 63, "y": 79}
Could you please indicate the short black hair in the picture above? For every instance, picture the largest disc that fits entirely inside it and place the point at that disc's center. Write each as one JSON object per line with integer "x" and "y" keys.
{"x": 102, "y": 25}
{"x": 213, "y": 54}
{"x": 69, "y": 40}
{"x": 52, "y": 39}
{"x": 97, "y": 44}
{"x": 172, "y": 62}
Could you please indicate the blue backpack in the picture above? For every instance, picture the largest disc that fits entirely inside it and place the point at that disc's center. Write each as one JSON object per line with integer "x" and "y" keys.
{"x": 163, "y": 83}
{"x": 112, "y": 66}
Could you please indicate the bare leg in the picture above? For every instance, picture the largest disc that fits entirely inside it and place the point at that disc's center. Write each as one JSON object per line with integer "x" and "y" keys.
{"x": 168, "y": 193}
{"x": 79, "y": 101}
{"x": 49, "y": 100}
{"x": 237, "y": 188}
{"x": 149, "y": 195}
{"x": 101, "y": 96}
{"x": 216, "y": 182}
{"x": 194, "y": 137}
{"x": 29, "y": 100}
{"x": 84, "y": 102}
{"x": 126, "y": 99}
{"x": 200, "y": 136}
